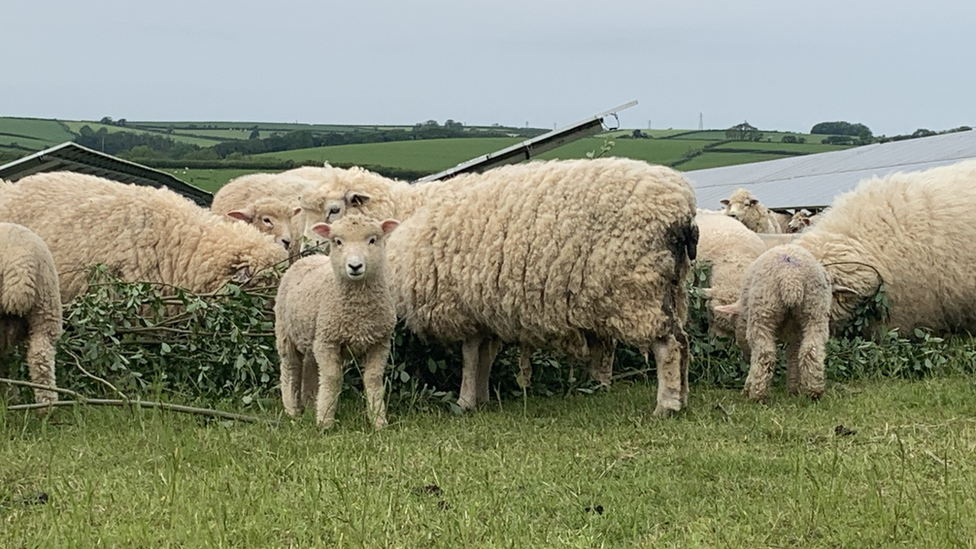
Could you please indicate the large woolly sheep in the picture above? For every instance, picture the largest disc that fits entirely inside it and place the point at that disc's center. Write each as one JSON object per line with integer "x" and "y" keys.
{"x": 552, "y": 254}
{"x": 785, "y": 295}
{"x": 328, "y": 306}
{"x": 745, "y": 207}
{"x": 30, "y": 304}
{"x": 140, "y": 233}
{"x": 913, "y": 231}
{"x": 729, "y": 247}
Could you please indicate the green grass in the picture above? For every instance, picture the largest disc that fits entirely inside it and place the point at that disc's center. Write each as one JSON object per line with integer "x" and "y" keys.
{"x": 724, "y": 473}
{"x": 76, "y": 126}
{"x": 717, "y": 160}
{"x": 208, "y": 180}
{"x": 31, "y": 132}
{"x": 805, "y": 148}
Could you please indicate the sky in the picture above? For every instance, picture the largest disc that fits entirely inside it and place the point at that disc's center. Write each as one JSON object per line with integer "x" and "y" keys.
{"x": 895, "y": 65}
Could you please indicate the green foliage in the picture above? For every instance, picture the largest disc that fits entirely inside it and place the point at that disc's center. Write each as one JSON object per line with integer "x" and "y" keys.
{"x": 605, "y": 147}
{"x": 860, "y": 131}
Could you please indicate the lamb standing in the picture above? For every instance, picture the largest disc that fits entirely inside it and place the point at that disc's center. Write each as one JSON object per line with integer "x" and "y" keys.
{"x": 141, "y": 233}
{"x": 30, "y": 304}
{"x": 785, "y": 295}
{"x": 745, "y": 207}
{"x": 328, "y": 306}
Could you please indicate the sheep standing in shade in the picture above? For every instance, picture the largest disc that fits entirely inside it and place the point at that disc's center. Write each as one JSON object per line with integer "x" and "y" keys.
{"x": 30, "y": 304}
{"x": 786, "y": 296}
{"x": 138, "y": 232}
{"x": 336, "y": 306}
{"x": 745, "y": 207}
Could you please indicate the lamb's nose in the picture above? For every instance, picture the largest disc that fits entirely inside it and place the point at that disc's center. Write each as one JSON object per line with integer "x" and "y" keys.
{"x": 355, "y": 267}
{"x": 286, "y": 243}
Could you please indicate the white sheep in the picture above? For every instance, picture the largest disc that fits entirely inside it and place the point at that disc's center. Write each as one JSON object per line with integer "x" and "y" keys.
{"x": 30, "y": 304}
{"x": 801, "y": 220}
{"x": 331, "y": 307}
{"x": 138, "y": 232}
{"x": 745, "y": 207}
{"x": 552, "y": 255}
{"x": 785, "y": 295}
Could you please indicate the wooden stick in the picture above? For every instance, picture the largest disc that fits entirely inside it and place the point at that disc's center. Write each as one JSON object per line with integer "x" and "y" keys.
{"x": 147, "y": 404}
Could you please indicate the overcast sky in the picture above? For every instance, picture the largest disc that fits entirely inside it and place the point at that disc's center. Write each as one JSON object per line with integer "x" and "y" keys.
{"x": 894, "y": 65}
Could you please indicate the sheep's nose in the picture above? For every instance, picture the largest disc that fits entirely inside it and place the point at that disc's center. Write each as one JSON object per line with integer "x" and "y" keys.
{"x": 286, "y": 243}
{"x": 355, "y": 268}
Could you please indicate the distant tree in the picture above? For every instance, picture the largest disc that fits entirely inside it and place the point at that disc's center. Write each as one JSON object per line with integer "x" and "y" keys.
{"x": 922, "y": 132}
{"x": 788, "y": 138}
{"x": 452, "y": 125}
{"x": 744, "y": 132}
{"x": 637, "y": 134}
{"x": 121, "y": 122}
{"x": 106, "y": 120}
{"x": 255, "y": 134}
{"x": 860, "y": 131}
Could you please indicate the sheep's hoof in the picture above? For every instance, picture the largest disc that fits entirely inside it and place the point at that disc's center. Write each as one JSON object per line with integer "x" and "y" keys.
{"x": 325, "y": 424}
{"x": 379, "y": 424}
{"x": 663, "y": 412}
{"x": 466, "y": 405}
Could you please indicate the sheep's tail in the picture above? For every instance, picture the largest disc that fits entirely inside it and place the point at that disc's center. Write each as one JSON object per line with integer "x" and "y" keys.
{"x": 17, "y": 285}
{"x": 791, "y": 281}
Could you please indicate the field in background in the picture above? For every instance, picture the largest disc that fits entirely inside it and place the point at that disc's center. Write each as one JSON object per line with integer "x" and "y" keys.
{"x": 874, "y": 464}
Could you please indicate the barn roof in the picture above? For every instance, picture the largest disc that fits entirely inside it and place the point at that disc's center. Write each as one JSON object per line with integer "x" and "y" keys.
{"x": 73, "y": 157}
{"x": 812, "y": 181}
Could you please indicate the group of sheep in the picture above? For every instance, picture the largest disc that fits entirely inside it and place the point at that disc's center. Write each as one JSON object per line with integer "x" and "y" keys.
{"x": 574, "y": 256}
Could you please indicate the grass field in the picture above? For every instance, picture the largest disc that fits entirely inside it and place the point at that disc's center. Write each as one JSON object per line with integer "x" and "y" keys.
{"x": 208, "y": 180}
{"x": 575, "y": 471}
{"x": 31, "y": 131}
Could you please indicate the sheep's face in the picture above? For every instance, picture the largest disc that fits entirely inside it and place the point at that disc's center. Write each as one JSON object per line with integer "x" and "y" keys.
{"x": 327, "y": 207}
{"x": 800, "y": 221}
{"x": 270, "y": 216}
{"x": 739, "y": 208}
{"x": 358, "y": 246}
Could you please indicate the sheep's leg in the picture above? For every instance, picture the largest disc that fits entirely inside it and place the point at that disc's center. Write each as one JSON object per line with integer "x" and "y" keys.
{"x": 667, "y": 356}
{"x": 310, "y": 381}
{"x": 40, "y": 364}
{"x": 601, "y": 358}
{"x": 524, "y": 377}
{"x": 763, "y": 364}
{"x": 291, "y": 377}
{"x": 374, "y": 365}
{"x": 793, "y": 373}
{"x": 469, "y": 373}
{"x": 685, "y": 346}
{"x": 329, "y": 359}
{"x": 812, "y": 354}
{"x": 487, "y": 352}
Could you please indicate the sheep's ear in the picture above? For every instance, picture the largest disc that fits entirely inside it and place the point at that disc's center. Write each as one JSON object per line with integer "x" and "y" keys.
{"x": 322, "y": 229}
{"x": 389, "y": 225}
{"x": 805, "y": 221}
{"x": 357, "y": 199}
{"x": 244, "y": 215}
{"x": 724, "y": 202}
{"x": 732, "y": 309}
{"x": 838, "y": 289}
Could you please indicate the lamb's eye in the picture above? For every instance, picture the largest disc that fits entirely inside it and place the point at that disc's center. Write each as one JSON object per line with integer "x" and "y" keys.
{"x": 372, "y": 240}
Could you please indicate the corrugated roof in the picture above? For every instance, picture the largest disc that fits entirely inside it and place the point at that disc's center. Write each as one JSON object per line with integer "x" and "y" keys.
{"x": 812, "y": 181}
{"x": 73, "y": 157}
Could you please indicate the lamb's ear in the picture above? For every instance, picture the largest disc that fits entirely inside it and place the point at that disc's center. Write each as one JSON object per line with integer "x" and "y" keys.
{"x": 322, "y": 229}
{"x": 246, "y": 215}
{"x": 357, "y": 199}
{"x": 389, "y": 225}
{"x": 838, "y": 289}
{"x": 732, "y": 309}
{"x": 724, "y": 202}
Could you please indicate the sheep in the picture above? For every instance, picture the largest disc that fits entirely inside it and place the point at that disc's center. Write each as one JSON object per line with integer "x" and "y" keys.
{"x": 30, "y": 304}
{"x": 801, "y": 220}
{"x": 785, "y": 295}
{"x": 771, "y": 240}
{"x": 743, "y": 206}
{"x": 140, "y": 233}
{"x": 911, "y": 231}
{"x": 327, "y": 306}
{"x": 268, "y": 201}
{"x": 554, "y": 254}
{"x": 729, "y": 247}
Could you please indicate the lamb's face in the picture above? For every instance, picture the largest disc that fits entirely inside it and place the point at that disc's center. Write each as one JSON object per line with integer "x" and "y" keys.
{"x": 270, "y": 216}
{"x": 799, "y": 221}
{"x": 358, "y": 246}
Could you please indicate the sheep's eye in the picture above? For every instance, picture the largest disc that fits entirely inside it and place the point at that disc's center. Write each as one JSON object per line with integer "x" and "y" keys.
{"x": 334, "y": 210}
{"x": 267, "y": 220}
{"x": 372, "y": 240}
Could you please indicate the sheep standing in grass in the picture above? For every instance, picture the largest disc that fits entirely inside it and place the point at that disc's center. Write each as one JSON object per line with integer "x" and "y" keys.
{"x": 554, "y": 255}
{"x": 30, "y": 304}
{"x": 140, "y": 233}
{"x": 914, "y": 232}
{"x": 329, "y": 307}
{"x": 785, "y": 295}
{"x": 745, "y": 207}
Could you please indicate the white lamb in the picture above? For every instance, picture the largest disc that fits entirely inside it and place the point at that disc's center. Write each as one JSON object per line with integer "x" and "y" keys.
{"x": 745, "y": 207}
{"x": 336, "y": 306}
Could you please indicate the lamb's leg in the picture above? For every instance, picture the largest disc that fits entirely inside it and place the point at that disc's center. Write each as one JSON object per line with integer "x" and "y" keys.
{"x": 40, "y": 364}
{"x": 291, "y": 377}
{"x": 329, "y": 359}
{"x": 601, "y": 358}
{"x": 310, "y": 381}
{"x": 812, "y": 354}
{"x": 374, "y": 365}
{"x": 487, "y": 352}
{"x": 524, "y": 377}
{"x": 667, "y": 356}
{"x": 762, "y": 365}
{"x": 793, "y": 373}
{"x": 468, "y": 398}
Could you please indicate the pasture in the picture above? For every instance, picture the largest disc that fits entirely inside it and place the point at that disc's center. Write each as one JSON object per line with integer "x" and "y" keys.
{"x": 875, "y": 463}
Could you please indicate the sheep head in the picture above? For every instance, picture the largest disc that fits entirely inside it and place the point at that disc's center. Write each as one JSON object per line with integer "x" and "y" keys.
{"x": 270, "y": 216}
{"x": 358, "y": 246}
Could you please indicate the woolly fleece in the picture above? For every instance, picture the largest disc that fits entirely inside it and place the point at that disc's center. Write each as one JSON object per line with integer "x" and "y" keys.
{"x": 743, "y": 206}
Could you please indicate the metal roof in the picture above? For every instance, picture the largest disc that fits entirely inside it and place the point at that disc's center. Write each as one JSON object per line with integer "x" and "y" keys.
{"x": 530, "y": 147}
{"x": 73, "y": 157}
{"x": 812, "y": 181}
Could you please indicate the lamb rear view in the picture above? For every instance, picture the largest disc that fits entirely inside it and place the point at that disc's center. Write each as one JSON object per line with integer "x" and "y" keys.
{"x": 330, "y": 307}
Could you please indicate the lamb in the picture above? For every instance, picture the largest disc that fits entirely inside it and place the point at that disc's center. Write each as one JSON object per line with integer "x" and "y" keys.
{"x": 911, "y": 231}
{"x": 801, "y": 220}
{"x": 330, "y": 305}
{"x": 745, "y": 207}
{"x": 140, "y": 233}
{"x": 729, "y": 247}
{"x": 785, "y": 295}
{"x": 554, "y": 254}
{"x": 30, "y": 304}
